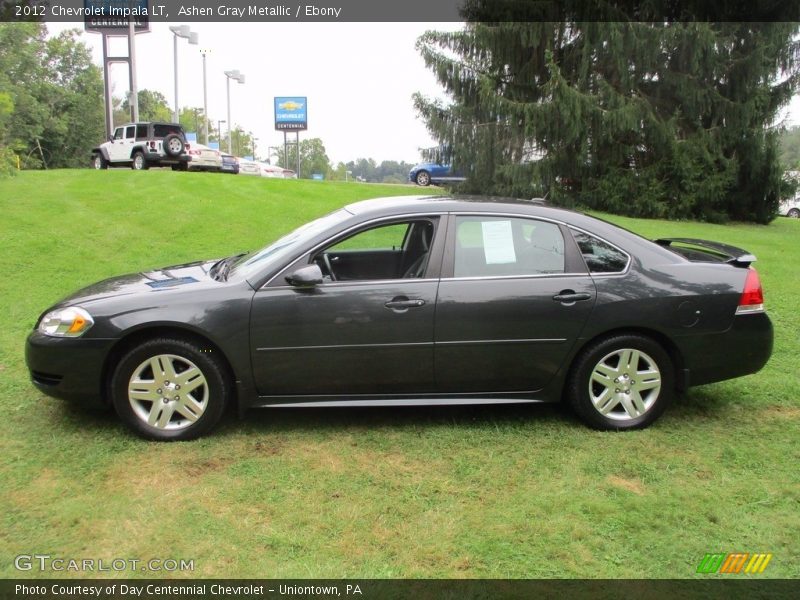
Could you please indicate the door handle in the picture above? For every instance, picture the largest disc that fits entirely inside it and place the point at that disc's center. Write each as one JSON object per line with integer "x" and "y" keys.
{"x": 403, "y": 304}
{"x": 571, "y": 297}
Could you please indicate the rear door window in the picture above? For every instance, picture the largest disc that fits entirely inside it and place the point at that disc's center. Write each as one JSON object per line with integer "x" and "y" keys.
{"x": 507, "y": 246}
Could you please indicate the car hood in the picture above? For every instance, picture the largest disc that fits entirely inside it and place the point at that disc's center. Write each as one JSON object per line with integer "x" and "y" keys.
{"x": 149, "y": 282}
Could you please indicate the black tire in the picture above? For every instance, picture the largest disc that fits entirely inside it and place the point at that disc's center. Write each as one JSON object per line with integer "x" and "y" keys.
{"x": 139, "y": 161}
{"x": 794, "y": 213}
{"x": 583, "y": 388}
{"x": 423, "y": 178}
{"x": 173, "y": 145}
{"x": 98, "y": 162}
{"x": 168, "y": 405}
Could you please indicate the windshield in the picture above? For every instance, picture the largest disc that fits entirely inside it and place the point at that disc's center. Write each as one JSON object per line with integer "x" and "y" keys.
{"x": 283, "y": 248}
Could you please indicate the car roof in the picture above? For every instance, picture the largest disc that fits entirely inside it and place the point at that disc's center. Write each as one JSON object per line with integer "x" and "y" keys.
{"x": 460, "y": 203}
{"x": 536, "y": 207}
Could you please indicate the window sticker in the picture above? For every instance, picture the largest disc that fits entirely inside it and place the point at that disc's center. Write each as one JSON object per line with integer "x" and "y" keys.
{"x": 498, "y": 242}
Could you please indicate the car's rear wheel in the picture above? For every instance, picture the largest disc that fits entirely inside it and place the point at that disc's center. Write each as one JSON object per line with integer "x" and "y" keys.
{"x": 423, "y": 178}
{"x": 173, "y": 144}
{"x": 170, "y": 389}
{"x": 621, "y": 382}
{"x": 98, "y": 162}
{"x": 139, "y": 162}
{"x": 794, "y": 213}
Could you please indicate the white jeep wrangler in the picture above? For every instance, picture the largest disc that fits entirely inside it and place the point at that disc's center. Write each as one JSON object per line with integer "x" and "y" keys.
{"x": 144, "y": 145}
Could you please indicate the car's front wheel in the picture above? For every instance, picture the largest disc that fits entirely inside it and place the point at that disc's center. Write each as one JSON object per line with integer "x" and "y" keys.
{"x": 423, "y": 178}
{"x": 98, "y": 162}
{"x": 794, "y": 213}
{"x": 621, "y": 382}
{"x": 170, "y": 389}
{"x": 139, "y": 162}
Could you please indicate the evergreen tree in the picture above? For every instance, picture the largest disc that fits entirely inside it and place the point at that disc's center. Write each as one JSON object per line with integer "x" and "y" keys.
{"x": 659, "y": 119}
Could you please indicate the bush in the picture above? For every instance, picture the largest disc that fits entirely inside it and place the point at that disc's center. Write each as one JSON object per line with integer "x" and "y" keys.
{"x": 8, "y": 162}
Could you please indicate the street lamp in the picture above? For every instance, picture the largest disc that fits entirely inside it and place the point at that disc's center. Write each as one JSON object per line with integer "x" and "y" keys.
{"x": 240, "y": 78}
{"x": 219, "y": 133}
{"x": 204, "y": 52}
{"x": 183, "y": 31}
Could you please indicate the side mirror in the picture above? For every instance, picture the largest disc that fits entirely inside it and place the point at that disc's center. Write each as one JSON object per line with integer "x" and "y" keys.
{"x": 305, "y": 277}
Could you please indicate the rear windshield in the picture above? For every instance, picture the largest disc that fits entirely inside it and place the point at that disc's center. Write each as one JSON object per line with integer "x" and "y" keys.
{"x": 695, "y": 254}
{"x": 162, "y": 130}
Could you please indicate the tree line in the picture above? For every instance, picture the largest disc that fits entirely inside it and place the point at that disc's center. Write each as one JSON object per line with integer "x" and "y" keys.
{"x": 49, "y": 88}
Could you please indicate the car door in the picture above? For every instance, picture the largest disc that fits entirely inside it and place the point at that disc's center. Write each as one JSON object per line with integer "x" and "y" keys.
{"x": 513, "y": 298}
{"x": 118, "y": 146}
{"x": 368, "y": 331}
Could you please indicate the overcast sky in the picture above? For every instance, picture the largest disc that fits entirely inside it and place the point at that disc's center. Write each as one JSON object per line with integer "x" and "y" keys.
{"x": 358, "y": 77}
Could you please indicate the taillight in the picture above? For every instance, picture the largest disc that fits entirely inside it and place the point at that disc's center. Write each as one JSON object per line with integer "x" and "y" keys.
{"x": 153, "y": 145}
{"x": 752, "y": 300}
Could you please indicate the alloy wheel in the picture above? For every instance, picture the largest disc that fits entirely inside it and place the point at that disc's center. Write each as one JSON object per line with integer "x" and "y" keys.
{"x": 168, "y": 392}
{"x": 624, "y": 384}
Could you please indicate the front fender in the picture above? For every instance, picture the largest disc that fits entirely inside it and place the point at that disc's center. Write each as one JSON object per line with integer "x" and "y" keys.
{"x": 102, "y": 152}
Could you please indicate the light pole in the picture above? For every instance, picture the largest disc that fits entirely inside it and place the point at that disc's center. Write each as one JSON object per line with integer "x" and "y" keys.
{"x": 183, "y": 31}
{"x": 240, "y": 78}
{"x": 219, "y": 133}
{"x": 204, "y": 52}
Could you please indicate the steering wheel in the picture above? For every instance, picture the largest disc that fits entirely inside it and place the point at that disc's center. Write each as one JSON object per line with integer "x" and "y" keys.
{"x": 327, "y": 260}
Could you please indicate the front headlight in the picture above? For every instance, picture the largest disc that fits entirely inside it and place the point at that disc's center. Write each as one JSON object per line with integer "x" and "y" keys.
{"x": 66, "y": 322}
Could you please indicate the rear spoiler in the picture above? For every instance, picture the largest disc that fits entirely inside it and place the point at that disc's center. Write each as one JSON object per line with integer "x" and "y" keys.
{"x": 730, "y": 254}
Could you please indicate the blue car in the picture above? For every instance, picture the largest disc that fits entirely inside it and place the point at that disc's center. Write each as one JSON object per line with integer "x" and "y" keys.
{"x": 428, "y": 173}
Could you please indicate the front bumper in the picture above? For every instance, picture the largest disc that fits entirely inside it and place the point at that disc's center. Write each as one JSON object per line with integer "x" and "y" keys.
{"x": 68, "y": 368}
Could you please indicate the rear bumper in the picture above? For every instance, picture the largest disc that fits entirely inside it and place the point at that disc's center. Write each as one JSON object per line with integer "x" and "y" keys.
{"x": 155, "y": 156}
{"x": 741, "y": 350}
{"x": 70, "y": 369}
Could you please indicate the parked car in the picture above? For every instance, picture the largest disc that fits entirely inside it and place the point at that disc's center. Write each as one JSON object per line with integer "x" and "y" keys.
{"x": 408, "y": 301}
{"x": 275, "y": 171}
{"x": 249, "y": 167}
{"x": 790, "y": 208}
{"x": 143, "y": 145}
{"x": 427, "y": 173}
{"x": 230, "y": 164}
{"x": 204, "y": 158}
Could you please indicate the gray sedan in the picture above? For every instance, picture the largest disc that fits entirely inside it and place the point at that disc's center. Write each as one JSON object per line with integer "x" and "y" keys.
{"x": 408, "y": 301}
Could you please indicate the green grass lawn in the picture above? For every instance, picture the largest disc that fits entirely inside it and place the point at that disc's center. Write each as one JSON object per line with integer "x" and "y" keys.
{"x": 519, "y": 492}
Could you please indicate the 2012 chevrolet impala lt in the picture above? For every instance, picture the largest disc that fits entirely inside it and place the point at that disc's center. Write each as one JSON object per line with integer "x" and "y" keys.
{"x": 407, "y": 301}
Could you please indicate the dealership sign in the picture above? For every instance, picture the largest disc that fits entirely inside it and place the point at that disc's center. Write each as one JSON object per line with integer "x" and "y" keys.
{"x": 111, "y": 17}
{"x": 291, "y": 113}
